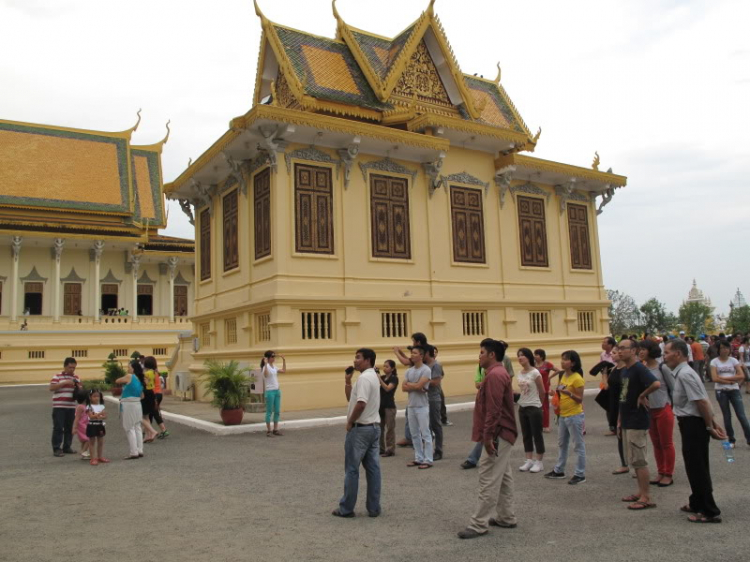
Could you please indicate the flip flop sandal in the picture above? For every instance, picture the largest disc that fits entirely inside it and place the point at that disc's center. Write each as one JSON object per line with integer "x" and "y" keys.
{"x": 412, "y": 463}
{"x": 631, "y": 499}
{"x": 424, "y": 466}
{"x": 699, "y": 518}
{"x": 665, "y": 485}
{"x": 686, "y": 508}
{"x": 655, "y": 482}
{"x": 617, "y": 472}
{"x": 103, "y": 460}
{"x": 93, "y": 462}
{"x": 639, "y": 505}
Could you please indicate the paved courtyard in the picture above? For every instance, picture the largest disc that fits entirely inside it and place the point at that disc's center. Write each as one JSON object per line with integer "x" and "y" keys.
{"x": 199, "y": 497}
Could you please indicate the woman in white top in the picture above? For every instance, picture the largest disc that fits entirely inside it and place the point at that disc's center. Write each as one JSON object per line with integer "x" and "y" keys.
{"x": 272, "y": 393}
{"x": 745, "y": 358}
{"x": 727, "y": 373}
{"x": 530, "y": 411}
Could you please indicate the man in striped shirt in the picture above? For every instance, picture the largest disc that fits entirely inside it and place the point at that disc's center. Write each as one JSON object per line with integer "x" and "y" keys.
{"x": 64, "y": 408}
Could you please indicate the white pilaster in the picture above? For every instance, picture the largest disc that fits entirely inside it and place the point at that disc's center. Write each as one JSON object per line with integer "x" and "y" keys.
{"x": 98, "y": 251}
{"x": 15, "y": 248}
{"x": 57, "y": 249}
{"x": 172, "y": 262}
{"x": 136, "y": 261}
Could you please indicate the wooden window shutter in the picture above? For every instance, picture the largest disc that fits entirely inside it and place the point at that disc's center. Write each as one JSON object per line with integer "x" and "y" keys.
{"x": 468, "y": 225}
{"x": 205, "y": 244}
{"x": 72, "y": 298}
{"x": 231, "y": 251}
{"x": 532, "y": 232}
{"x": 262, "y": 204}
{"x": 313, "y": 194}
{"x": 389, "y": 210}
{"x": 578, "y": 227}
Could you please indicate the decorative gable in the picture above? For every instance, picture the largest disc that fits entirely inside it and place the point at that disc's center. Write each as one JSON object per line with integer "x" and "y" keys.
{"x": 421, "y": 79}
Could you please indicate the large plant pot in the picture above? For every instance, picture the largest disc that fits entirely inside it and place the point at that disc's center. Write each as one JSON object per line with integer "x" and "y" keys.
{"x": 116, "y": 390}
{"x": 233, "y": 416}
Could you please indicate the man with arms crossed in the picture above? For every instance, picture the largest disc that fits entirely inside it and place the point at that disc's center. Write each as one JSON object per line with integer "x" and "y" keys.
{"x": 494, "y": 426}
{"x": 697, "y": 427}
{"x": 362, "y": 435}
{"x": 416, "y": 382}
{"x": 64, "y": 408}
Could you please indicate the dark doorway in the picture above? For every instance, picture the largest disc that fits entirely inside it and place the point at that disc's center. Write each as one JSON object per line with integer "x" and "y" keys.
{"x": 109, "y": 302}
{"x": 145, "y": 305}
{"x": 32, "y": 302}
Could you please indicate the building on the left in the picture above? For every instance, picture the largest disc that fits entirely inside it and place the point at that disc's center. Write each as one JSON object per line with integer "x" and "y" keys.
{"x": 84, "y": 271}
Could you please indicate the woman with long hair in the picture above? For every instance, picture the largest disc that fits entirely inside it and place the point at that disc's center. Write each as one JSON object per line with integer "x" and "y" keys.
{"x": 272, "y": 392}
{"x": 151, "y": 369}
{"x": 570, "y": 392}
{"x": 388, "y": 380}
{"x": 130, "y": 408}
{"x": 530, "y": 411}
{"x": 727, "y": 373}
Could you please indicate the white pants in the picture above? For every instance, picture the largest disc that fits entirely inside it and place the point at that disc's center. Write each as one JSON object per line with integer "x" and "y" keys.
{"x": 132, "y": 414}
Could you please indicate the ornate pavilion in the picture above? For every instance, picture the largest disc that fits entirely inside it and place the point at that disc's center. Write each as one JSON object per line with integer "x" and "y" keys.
{"x": 85, "y": 272}
{"x": 374, "y": 190}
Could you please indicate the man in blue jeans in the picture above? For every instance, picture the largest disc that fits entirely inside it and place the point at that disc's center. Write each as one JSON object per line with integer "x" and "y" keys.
{"x": 362, "y": 442}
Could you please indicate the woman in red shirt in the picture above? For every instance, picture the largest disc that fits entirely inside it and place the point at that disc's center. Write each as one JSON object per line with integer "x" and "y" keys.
{"x": 545, "y": 368}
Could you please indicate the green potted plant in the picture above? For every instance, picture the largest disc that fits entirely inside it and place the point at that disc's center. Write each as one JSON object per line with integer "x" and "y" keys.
{"x": 228, "y": 385}
{"x": 113, "y": 370}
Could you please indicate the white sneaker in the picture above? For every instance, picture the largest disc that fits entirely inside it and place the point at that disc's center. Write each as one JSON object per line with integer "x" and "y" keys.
{"x": 85, "y": 455}
{"x": 538, "y": 467}
{"x": 526, "y": 466}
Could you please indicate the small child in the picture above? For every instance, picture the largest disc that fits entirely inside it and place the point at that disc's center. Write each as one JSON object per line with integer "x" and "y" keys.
{"x": 95, "y": 428}
{"x": 80, "y": 423}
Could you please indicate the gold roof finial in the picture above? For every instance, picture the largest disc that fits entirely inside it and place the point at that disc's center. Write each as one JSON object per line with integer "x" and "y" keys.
{"x": 430, "y": 7}
{"x": 499, "y": 72}
{"x": 258, "y": 12}
{"x": 168, "y": 132}
{"x": 537, "y": 135}
{"x": 595, "y": 163}
{"x": 335, "y": 11}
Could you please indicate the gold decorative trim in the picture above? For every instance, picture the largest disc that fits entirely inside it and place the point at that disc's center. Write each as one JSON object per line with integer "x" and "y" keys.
{"x": 432, "y": 120}
{"x": 569, "y": 169}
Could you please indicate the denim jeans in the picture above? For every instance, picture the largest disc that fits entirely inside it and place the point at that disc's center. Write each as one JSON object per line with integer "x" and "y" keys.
{"x": 273, "y": 405}
{"x": 733, "y": 397}
{"x": 361, "y": 447}
{"x": 476, "y": 452}
{"x": 571, "y": 427}
{"x": 62, "y": 428}
{"x": 421, "y": 436}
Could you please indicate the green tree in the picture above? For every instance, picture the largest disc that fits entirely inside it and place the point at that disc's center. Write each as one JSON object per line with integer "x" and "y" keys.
{"x": 694, "y": 317}
{"x": 623, "y": 313}
{"x": 655, "y": 318}
{"x": 739, "y": 319}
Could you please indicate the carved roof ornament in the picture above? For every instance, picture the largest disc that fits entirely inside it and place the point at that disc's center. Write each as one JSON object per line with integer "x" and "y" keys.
{"x": 180, "y": 280}
{"x": 236, "y": 171}
{"x": 537, "y": 135}
{"x": 57, "y": 248}
{"x": 432, "y": 172}
{"x": 110, "y": 278}
{"x": 499, "y": 73}
{"x": 15, "y": 247}
{"x": 503, "y": 177}
{"x": 386, "y": 165}
{"x": 564, "y": 192}
{"x": 596, "y": 162}
{"x": 172, "y": 262}
{"x": 145, "y": 278}
{"x": 135, "y": 262}
{"x": 187, "y": 209}
{"x": 531, "y": 189}
{"x": 73, "y": 277}
{"x": 34, "y": 276}
{"x": 347, "y": 157}
{"x": 607, "y": 195}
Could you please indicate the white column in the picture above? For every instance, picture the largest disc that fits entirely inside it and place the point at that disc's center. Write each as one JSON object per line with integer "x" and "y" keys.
{"x": 172, "y": 262}
{"x": 57, "y": 249}
{"x": 98, "y": 251}
{"x": 136, "y": 261}
{"x": 15, "y": 248}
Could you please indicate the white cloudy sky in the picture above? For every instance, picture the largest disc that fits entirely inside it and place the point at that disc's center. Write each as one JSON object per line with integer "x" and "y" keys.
{"x": 661, "y": 88}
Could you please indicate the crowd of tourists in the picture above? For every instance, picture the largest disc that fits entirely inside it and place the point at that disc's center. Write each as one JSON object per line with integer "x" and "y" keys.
{"x": 646, "y": 384}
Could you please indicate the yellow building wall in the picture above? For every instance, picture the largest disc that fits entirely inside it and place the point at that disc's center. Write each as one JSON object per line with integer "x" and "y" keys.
{"x": 355, "y": 287}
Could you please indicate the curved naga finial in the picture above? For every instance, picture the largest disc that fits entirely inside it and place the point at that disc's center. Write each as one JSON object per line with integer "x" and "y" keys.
{"x": 430, "y": 7}
{"x": 258, "y": 11}
{"x": 134, "y": 128}
{"x": 335, "y": 11}
{"x": 499, "y": 73}
{"x": 168, "y": 132}
{"x": 595, "y": 163}
{"x": 537, "y": 135}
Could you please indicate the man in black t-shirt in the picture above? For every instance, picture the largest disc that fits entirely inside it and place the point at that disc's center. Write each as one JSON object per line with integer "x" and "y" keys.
{"x": 637, "y": 384}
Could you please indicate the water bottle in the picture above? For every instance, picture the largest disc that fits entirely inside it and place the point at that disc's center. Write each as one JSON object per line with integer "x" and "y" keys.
{"x": 728, "y": 450}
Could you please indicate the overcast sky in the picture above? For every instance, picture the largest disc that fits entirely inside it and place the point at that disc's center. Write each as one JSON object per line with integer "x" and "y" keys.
{"x": 661, "y": 88}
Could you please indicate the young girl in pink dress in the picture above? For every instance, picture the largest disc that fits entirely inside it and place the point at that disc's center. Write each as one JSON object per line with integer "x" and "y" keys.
{"x": 79, "y": 424}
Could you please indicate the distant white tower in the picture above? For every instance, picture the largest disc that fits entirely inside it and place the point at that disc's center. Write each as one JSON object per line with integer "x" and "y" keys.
{"x": 738, "y": 300}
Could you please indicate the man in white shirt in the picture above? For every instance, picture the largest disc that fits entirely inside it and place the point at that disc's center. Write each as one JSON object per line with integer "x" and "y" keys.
{"x": 362, "y": 435}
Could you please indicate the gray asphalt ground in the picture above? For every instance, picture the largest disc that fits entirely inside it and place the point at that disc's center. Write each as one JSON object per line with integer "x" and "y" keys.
{"x": 198, "y": 497}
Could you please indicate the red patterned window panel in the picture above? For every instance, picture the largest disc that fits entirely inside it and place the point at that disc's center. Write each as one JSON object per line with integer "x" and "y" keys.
{"x": 468, "y": 225}
{"x": 231, "y": 236}
{"x": 313, "y": 194}
{"x": 389, "y": 207}
{"x": 262, "y": 202}
{"x": 205, "y": 244}
{"x": 532, "y": 232}
{"x": 580, "y": 245}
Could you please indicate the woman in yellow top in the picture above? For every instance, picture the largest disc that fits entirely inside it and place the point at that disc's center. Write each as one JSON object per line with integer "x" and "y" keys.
{"x": 148, "y": 404}
{"x": 570, "y": 391}
{"x": 152, "y": 372}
